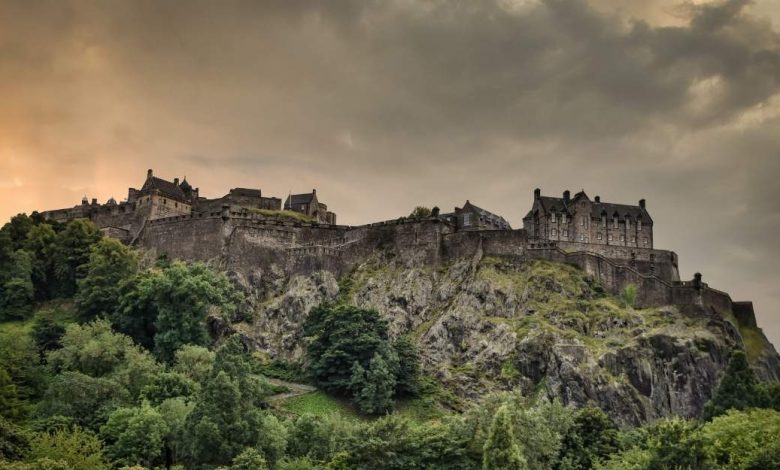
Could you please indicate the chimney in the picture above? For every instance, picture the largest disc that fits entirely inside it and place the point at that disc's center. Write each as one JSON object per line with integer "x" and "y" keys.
{"x": 435, "y": 211}
{"x": 94, "y": 201}
{"x": 314, "y": 191}
{"x": 149, "y": 173}
{"x": 598, "y": 199}
{"x": 537, "y": 194}
{"x": 176, "y": 181}
{"x": 642, "y": 203}
{"x": 566, "y": 195}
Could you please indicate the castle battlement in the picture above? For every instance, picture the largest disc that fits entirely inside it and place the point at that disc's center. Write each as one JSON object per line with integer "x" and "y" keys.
{"x": 246, "y": 231}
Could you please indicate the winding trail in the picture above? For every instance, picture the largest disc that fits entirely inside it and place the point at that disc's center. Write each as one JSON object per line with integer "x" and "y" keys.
{"x": 296, "y": 389}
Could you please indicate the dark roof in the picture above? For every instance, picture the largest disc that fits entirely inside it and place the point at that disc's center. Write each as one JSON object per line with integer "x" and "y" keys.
{"x": 558, "y": 205}
{"x": 246, "y": 192}
{"x": 185, "y": 186}
{"x": 487, "y": 214}
{"x": 295, "y": 199}
{"x": 166, "y": 188}
{"x": 622, "y": 210}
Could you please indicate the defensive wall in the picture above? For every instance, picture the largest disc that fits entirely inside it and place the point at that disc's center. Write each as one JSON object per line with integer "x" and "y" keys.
{"x": 244, "y": 241}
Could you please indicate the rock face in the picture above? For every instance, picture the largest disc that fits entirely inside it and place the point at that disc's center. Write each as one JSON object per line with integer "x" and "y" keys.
{"x": 489, "y": 323}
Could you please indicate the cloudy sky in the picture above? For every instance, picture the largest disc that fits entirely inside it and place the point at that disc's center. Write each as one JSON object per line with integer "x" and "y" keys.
{"x": 384, "y": 105}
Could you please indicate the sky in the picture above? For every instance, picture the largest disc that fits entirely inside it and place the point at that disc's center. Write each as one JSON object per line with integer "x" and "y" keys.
{"x": 386, "y": 105}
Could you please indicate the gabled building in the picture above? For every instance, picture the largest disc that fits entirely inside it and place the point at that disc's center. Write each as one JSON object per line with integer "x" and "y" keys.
{"x": 582, "y": 220}
{"x": 308, "y": 204}
{"x": 471, "y": 217}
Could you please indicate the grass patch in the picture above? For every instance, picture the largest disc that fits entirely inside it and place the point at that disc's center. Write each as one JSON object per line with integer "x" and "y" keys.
{"x": 282, "y": 214}
{"x": 754, "y": 341}
{"x": 317, "y": 404}
{"x": 58, "y": 310}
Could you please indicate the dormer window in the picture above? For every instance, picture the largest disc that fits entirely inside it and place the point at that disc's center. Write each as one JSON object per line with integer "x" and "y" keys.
{"x": 614, "y": 221}
{"x": 628, "y": 222}
{"x": 552, "y": 217}
{"x": 563, "y": 218}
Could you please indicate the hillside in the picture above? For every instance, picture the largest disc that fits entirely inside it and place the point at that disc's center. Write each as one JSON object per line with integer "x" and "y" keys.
{"x": 488, "y": 324}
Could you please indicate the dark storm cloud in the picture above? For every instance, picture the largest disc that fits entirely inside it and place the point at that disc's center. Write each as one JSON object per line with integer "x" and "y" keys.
{"x": 387, "y": 104}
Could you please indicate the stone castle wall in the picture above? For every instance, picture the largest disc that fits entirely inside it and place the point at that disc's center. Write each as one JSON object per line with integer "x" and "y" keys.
{"x": 249, "y": 243}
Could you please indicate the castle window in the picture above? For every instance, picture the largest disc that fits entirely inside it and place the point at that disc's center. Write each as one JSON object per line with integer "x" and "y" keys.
{"x": 582, "y": 237}
{"x": 598, "y": 236}
{"x": 554, "y": 232}
{"x": 615, "y": 222}
{"x": 175, "y": 204}
{"x": 622, "y": 238}
{"x": 639, "y": 224}
{"x": 552, "y": 217}
{"x": 564, "y": 233}
{"x": 466, "y": 220}
{"x": 633, "y": 239}
{"x": 563, "y": 218}
{"x": 609, "y": 237}
{"x": 644, "y": 241}
{"x": 582, "y": 221}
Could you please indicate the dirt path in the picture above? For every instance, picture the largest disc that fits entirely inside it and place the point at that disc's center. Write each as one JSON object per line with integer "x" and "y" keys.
{"x": 296, "y": 389}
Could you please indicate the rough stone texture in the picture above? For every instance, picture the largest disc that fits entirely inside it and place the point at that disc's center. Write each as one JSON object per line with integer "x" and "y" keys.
{"x": 488, "y": 309}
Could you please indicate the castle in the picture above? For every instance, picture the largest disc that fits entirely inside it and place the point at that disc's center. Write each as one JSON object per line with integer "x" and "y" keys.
{"x": 159, "y": 198}
{"x": 245, "y": 231}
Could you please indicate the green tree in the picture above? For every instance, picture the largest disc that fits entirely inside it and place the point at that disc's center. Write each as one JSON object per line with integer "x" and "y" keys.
{"x": 16, "y": 290}
{"x": 501, "y": 450}
{"x": 175, "y": 412}
{"x": 340, "y": 336}
{"x": 135, "y": 436}
{"x": 408, "y": 374}
{"x": 420, "y": 212}
{"x": 11, "y": 407}
{"x": 676, "y": 443}
{"x": 79, "y": 449}
{"x": 169, "y": 385}
{"x": 19, "y": 357}
{"x": 592, "y": 439}
{"x": 87, "y": 401}
{"x": 14, "y": 441}
{"x": 196, "y": 362}
{"x": 744, "y": 439}
{"x": 738, "y": 389}
{"x": 167, "y": 308}
{"x": 47, "y": 334}
{"x": 222, "y": 423}
{"x": 96, "y": 350}
{"x": 17, "y": 229}
{"x": 249, "y": 459}
{"x": 373, "y": 388}
{"x": 110, "y": 265}
{"x": 71, "y": 254}
{"x": 42, "y": 244}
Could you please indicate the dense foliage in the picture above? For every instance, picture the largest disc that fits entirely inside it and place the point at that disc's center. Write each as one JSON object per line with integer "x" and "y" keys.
{"x": 350, "y": 354}
{"x": 106, "y": 361}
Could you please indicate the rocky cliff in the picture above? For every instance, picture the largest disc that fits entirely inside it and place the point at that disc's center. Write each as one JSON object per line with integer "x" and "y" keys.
{"x": 487, "y": 323}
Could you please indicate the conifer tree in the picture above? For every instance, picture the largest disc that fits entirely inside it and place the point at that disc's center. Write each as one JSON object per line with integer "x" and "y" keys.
{"x": 738, "y": 389}
{"x": 501, "y": 450}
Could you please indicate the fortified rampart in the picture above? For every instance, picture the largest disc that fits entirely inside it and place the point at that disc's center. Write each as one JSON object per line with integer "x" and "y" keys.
{"x": 244, "y": 242}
